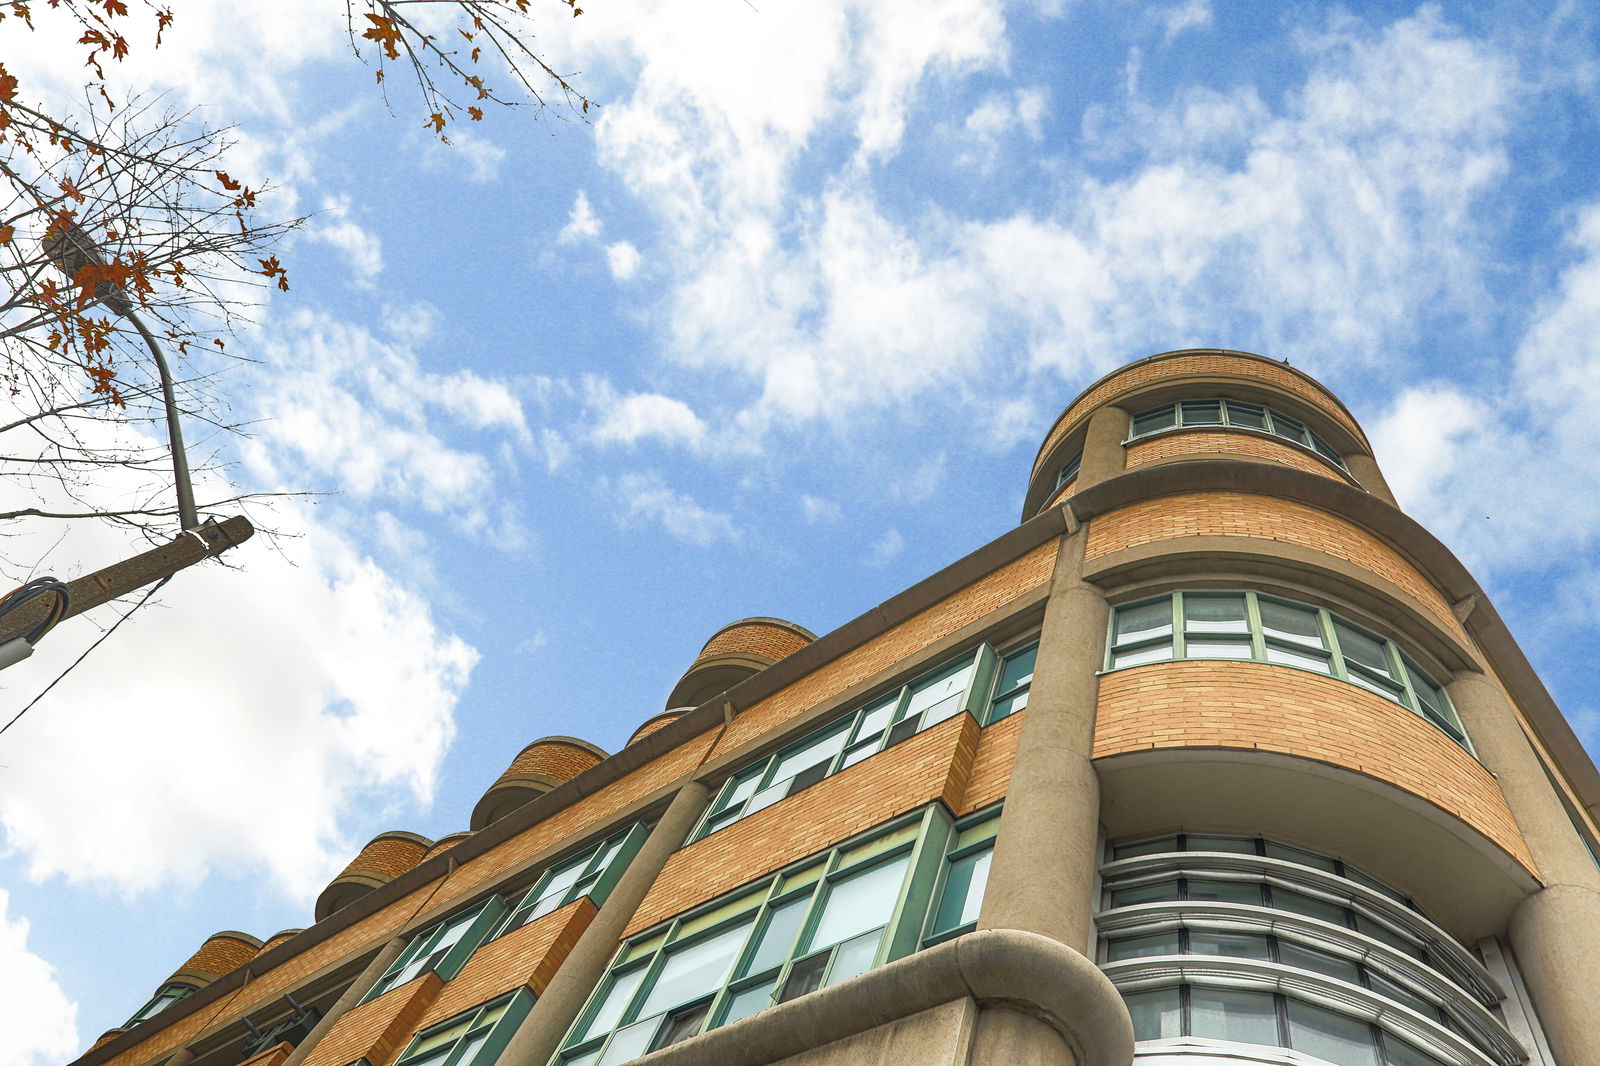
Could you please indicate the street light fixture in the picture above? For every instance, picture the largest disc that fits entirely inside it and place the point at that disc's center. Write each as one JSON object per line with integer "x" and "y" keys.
{"x": 70, "y": 250}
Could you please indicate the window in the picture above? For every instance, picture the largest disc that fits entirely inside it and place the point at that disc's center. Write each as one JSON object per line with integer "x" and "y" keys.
{"x": 1069, "y": 470}
{"x": 473, "y": 1038}
{"x": 1249, "y": 625}
{"x": 1190, "y": 896}
{"x": 963, "y": 880}
{"x": 443, "y": 948}
{"x": 978, "y": 682}
{"x": 1235, "y": 415}
{"x": 821, "y": 921}
{"x": 591, "y": 873}
{"x": 163, "y": 999}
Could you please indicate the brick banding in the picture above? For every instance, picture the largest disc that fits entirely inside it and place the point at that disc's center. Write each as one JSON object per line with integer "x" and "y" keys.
{"x": 1228, "y": 443}
{"x": 221, "y": 953}
{"x": 660, "y": 721}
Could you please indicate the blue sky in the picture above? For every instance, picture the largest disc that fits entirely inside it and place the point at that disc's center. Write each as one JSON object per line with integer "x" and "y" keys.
{"x": 778, "y": 333}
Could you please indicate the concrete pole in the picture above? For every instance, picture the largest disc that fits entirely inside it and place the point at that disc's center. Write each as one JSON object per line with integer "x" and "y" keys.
{"x": 1042, "y": 879}
{"x": 1104, "y": 457}
{"x": 541, "y": 1032}
{"x": 358, "y": 989}
{"x": 1555, "y": 932}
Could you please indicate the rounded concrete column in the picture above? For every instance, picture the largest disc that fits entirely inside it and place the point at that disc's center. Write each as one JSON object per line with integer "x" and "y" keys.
{"x": 1042, "y": 878}
{"x": 1006, "y": 1037}
{"x": 1555, "y": 932}
{"x": 541, "y": 1032}
{"x": 1364, "y": 468}
{"x": 354, "y": 994}
{"x": 1104, "y": 456}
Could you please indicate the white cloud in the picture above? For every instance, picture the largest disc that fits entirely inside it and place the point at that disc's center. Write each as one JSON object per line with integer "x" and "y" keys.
{"x": 646, "y": 498}
{"x": 1182, "y": 17}
{"x": 582, "y": 223}
{"x": 641, "y": 416}
{"x": 623, "y": 259}
{"x": 482, "y": 156}
{"x": 38, "y": 1022}
{"x": 886, "y": 548}
{"x": 819, "y": 510}
{"x": 360, "y": 247}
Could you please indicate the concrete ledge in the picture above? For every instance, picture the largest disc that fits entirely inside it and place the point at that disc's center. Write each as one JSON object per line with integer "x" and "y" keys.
{"x": 1025, "y": 972}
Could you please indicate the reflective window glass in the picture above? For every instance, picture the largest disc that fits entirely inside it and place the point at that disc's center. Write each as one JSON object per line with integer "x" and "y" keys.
{"x": 1215, "y": 613}
{"x": 1156, "y": 1014}
{"x": 1144, "y": 621}
{"x": 1232, "y": 945}
{"x": 1334, "y": 1037}
{"x": 1305, "y": 958}
{"x": 1155, "y": 421}
{"x": 1285, "y": 900}
{"x": 1202, "y": 413}
{"x": 694, "y": 969}
{"x": 963, "y": 891}
{"x": 1246, "y": 415}
{"x": 1158, "y": 892}
{"x": 859, "y": 902}
{"x": 1226, "y": 1014}
{"x": 1139, "y": 947}
{"x": 1201, "y": 888}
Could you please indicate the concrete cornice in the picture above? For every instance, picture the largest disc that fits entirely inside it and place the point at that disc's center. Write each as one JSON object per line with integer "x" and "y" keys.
{"x": 996, "y": 967}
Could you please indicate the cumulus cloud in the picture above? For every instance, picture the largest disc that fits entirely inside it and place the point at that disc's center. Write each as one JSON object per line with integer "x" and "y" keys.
{"x": 623, "y": 259}
{"x": 646, "y": 498}
{"x": 360, "y": 247}
{"x": 582, "y": 223}
{"x": 38, "y": 1022}
{"x": 630, "y": 419}
{"x": 818, "y": 510}
{"x": 886, "y": 548}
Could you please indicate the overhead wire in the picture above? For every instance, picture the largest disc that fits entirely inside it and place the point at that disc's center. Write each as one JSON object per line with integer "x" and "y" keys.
{"x": 39, "y": 586}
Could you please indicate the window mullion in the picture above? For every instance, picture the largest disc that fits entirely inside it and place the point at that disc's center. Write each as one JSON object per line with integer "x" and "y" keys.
{"x": 1180, "y": 646}
{"x": 1331, "y": 638}
{"x": 1403, "y": 674}
{"x": 1258, "y": 638}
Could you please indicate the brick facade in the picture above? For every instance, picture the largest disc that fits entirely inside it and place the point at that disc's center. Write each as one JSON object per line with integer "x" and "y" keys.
{"x": 1261, "y": 707}
{"x": 753, "y": 638}
{"x": 555, "y": 759}
{"x": 526, "y": 956}
{"x": 1212, "y": 443}
{"x": 379, "y": 1029}
{"x": 389, "y": 855}
{"x": 223, "y": 953}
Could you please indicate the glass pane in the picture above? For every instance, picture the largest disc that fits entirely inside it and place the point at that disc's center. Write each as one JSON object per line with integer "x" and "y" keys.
{"x": 877, "y": 716}
{"x": 1214, "y": 614}
{"x": 1139, "y": 947}
{"x": 1229, "y": 844}
{"x": 1206, "y": 890}
{"x": 1153, "y": 653}
{"x": 744, "y": 787}
{"x": 1297, "y": 624}
{"x": 1212, "y": 648}
{"x": 804, "y": 977}
{"x": 1155, "y": 1014}
{"x": 767, "y": 797}
{"x": 582, "y": 1058}
{"x": 854, "y": 956}
{"x": 1202, "y": 413}
{"x": 1401, "y": 1053}
{"x": 1305, "y": 660}
{"x": 1231, "y": 945}
{"x": 963, "y": 891}
{"x": 1318, "y": 962}
{"x": 1224, "y": 1014}
{"x": 860, "y": 902}
{"x": 695, "y": 969}
{"x": 865, "y": 750}
{"x": 1403, "y": 996}
{"x": 1284, "y": 426}
{"x": 1300, "y": 857}
{"x": 748, "y": 1001}
{"x": 1384, "y": 935}
{"x": 1144, "y": 621}
{"x": 819, "y": 749}
{"x": 616, "y": 1001}
{"x": 1161, "y": 891}
{"x": 1069, "y": 470}
{"x": 1152, "y": 421}
{"x": 1156, "y": 846}
{"x": 1006, "y": 706}
{"x": 630, "y": 1042}
{"x": 1285, "y": 900}
{"x": 435, "y": 1039}
{"x": 948, "y": 707}
{"x": 682, "y": 1025}
{"x": 1363, "y": 650}
{"x": 1017, "y": 669}
{"x": 777, "y": 939}
{"x": 1341, "y": 1040}
{"x": 471, "y": 1047}
{"x": 945, "y": 685}
{"x": 1325, "y": 450}
{"x": 1247, "y": 415}
{"x": 1371, "y": 882}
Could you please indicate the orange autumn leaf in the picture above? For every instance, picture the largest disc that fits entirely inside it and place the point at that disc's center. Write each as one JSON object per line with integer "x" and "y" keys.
{"x": 384, "y": 32}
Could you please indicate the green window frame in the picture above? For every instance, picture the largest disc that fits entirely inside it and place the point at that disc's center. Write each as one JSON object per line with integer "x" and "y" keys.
{"x": 474, "y": 1037}
{"x": 820, "y": 921}
{"x": 1245, "y": 625}
{"x": 963, "y": 877}
{"x": 166, "y": 997}
{"x": 443, "y": 948}
{"x": 1233, "y": 414}
{"x": 1069, "y": 470}
{"x": 969, "y": 682}
{"x": 592, "y": 872}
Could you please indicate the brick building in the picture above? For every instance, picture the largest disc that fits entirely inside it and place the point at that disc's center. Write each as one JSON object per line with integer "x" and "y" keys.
{"x": 1216, "y": 758}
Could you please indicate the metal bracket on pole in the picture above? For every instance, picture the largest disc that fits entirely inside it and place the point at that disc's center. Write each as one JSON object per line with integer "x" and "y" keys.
{"x": 208, "y": 539}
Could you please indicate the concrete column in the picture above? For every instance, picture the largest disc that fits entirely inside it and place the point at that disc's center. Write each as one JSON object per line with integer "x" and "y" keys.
{"x": 183, "y": 1057}
{"x": 358, "y": 989}
{"x": 1555, "y": 932}
{"x": 541, "y": 1032}
{"x": 1104, "y": 457}
{"x": 1011, "y": 1038}
{"x": 1364, "y": 468}
{"x": 1042, "y": 879}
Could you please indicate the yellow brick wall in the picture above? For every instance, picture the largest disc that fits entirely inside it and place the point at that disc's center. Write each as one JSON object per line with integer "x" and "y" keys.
{"x": 904, "y": 640}
{"x": 1203, "y": 444}
{"x": 991, "y": 767}
{"x": 221, "y": 954}
{"x": 932, "y": 765}
{"x": 1258, "y": 706}
{"x": 756, "y": 638}
{"x": 1234, "y": 514}
{"x": 554, "y": 759}
{"x": 379, "y": 1029}
{"x": 392, "y": 856}
{"x": 1182, "y": 366}
{"x": 526, "y": 956}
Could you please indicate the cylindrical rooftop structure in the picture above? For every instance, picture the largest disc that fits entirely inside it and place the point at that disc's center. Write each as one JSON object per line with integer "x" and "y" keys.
{"x": 386, "y": 856}
{"x": 539, "y": 767}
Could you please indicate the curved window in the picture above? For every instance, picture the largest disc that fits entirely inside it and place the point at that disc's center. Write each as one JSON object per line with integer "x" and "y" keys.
{"x": 1248, "y": 625}
{"x": 1190, "y": 414}
{"x": 163, "y": 999}
{"x": 1069, "y": 470}
{"x": 1245, "y": 940}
